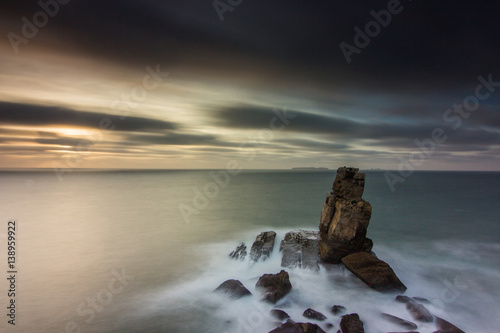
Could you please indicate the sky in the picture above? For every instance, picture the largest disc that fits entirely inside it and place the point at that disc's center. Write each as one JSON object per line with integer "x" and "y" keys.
{"x": 184, "y": 84}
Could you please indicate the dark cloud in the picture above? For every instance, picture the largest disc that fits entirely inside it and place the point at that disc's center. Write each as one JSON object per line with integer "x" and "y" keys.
{"x": 429, "y": 45}
{"x": 173, "y": 139}
{"x": 35, "y": 115}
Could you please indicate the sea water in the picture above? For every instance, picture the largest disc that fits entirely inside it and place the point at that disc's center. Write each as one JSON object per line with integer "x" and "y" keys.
{"x": 139, "y": 251}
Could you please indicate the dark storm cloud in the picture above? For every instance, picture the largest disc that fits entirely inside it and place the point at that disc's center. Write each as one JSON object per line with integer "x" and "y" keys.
{"x": 35, "y": 115}
{"x": 429, "y": 45}
{"x": 173, "y": 139}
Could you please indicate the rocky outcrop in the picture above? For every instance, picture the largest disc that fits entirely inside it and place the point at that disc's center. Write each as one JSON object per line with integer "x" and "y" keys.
{"x": 374, "y": 272}
{"x": 233, "y": 289}
{"x": 274, "y": 286}
{"x": 345, "y": 217}
{"x": 398, "y": 321}
{"x": 291, "y": 327}
{"x": 313, "y": 314}
{"x": 337, "y": 309}
{"x": 240, "y": 252}
{"x": 351, "y": 324}
{"x": 279, "y": 314}
{"x": 446, "y": 327}
{"x": 301, "y": 249}
{"x": 263, "y": 246}
{"x": 419, "y": 312}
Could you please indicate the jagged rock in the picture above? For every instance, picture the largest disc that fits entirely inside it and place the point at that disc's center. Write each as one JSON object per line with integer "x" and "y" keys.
{"x": 344, "y": 217}
{"x": 274, "y": 286}
{"x": 313, "y": 314}
{"x": 300, "y": 249}
{"x": 291, "y": 327}
{"x": 336, "y": 309}
{"x": 376, "y": 273}
{"x": 399, "y": 321}
{"x": 447, "y": 327}
{"x": 421, "y": 300}
{"x": 263, "y": 246}
{"x": 367, "y": 245}
{"x": 279, "y": 314}
{"x": 233, "y": 289}
{"x": 419, "y": 312}
{"x": 351, "y": 324}
{"x": 240, "y": 252}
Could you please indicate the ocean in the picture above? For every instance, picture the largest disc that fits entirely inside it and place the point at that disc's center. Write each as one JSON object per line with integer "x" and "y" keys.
{"x": 142, "y": 251}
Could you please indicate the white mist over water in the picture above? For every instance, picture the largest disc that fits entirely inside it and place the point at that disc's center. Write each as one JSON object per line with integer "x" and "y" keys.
{"x": 439, "y": 231}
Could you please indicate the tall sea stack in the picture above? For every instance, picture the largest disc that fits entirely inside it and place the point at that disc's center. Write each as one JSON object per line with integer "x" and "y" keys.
{"x": 345, "y": 217}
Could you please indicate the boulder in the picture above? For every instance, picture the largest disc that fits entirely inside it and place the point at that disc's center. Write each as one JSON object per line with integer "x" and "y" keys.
{"x": 419, "y": 312}
{"x": 274, "y": 286}
{"x": 374, "y": 272}
{"x": 446, "y": 327}
{"x": 300, "y": 249}
{"x": 263, "y": 246}
{"x": 313, "y": 314}
{"x": 240, "y": 252}
{"x": 233, "y": 289}
{"x": 337, "y": 309}
{"x": 291, "y": 327}
{"x": 344, "y": 217}
{"x": 351, "y": 324}
{"x": 398, "y": 321}
{"x": 279, "y": 314}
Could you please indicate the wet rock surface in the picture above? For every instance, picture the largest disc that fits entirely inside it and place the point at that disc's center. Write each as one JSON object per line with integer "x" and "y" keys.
{"x": 313, "y": 314}
{"x": 351, "y": 324}
{"x": 240, "y": 252}
{"x": 262, "y": 246}
{"x": 279, "y": 314}
{"x": 447, "y": 327}
{"x": 337, "y": 309}
{"x": 274, "y": 286}
{"x": 419, "y": 312}
{"x": 399, "y": 321}
{"x": 233, "y": 289}
{"x": 291, "y": 327}
{"x": 301, "y": 249}
{"x": 374, "y": 272}
{"x": 344, "y": 217}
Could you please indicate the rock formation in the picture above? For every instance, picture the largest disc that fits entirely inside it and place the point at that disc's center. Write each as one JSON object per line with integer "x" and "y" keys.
{"x": 313, "y": 314}
{"x": 240, "y": 252}
{"x": 263, "y": 246}
{"x": 279, "y": 314}
{"x": 274, "y": 286}
{"x": 233, "y": 289}
{"x": 398, "y": 321}
{"x": 345, "y": 217}
{"x": 351, "y": 324}
{"x": 291, "y": 327}
{"x": 300, "y": 249}
{"x": 374, "y": 272}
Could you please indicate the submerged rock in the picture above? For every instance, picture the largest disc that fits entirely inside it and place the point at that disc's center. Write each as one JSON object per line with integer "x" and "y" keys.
{"x": 291, "y": 327}
{"x": 336, "y": 309}
{"x": 447, "y": 327}
{"x": 240, "y": 252}
{"x": 419, "y": 312}
{"x": 263, "y": 246}
{"x": 399, "y": 321}
{"x": 313, "y": 314}
{"x": 344, "y": 217}
{"x": 301, "y": 249}
{"x": 274, "y": 286}
{"x": 376, "y": 273}
{"x": 279, "y": 314}
{"x": 351, "y": 324}
{"x": 233, "y": 289}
